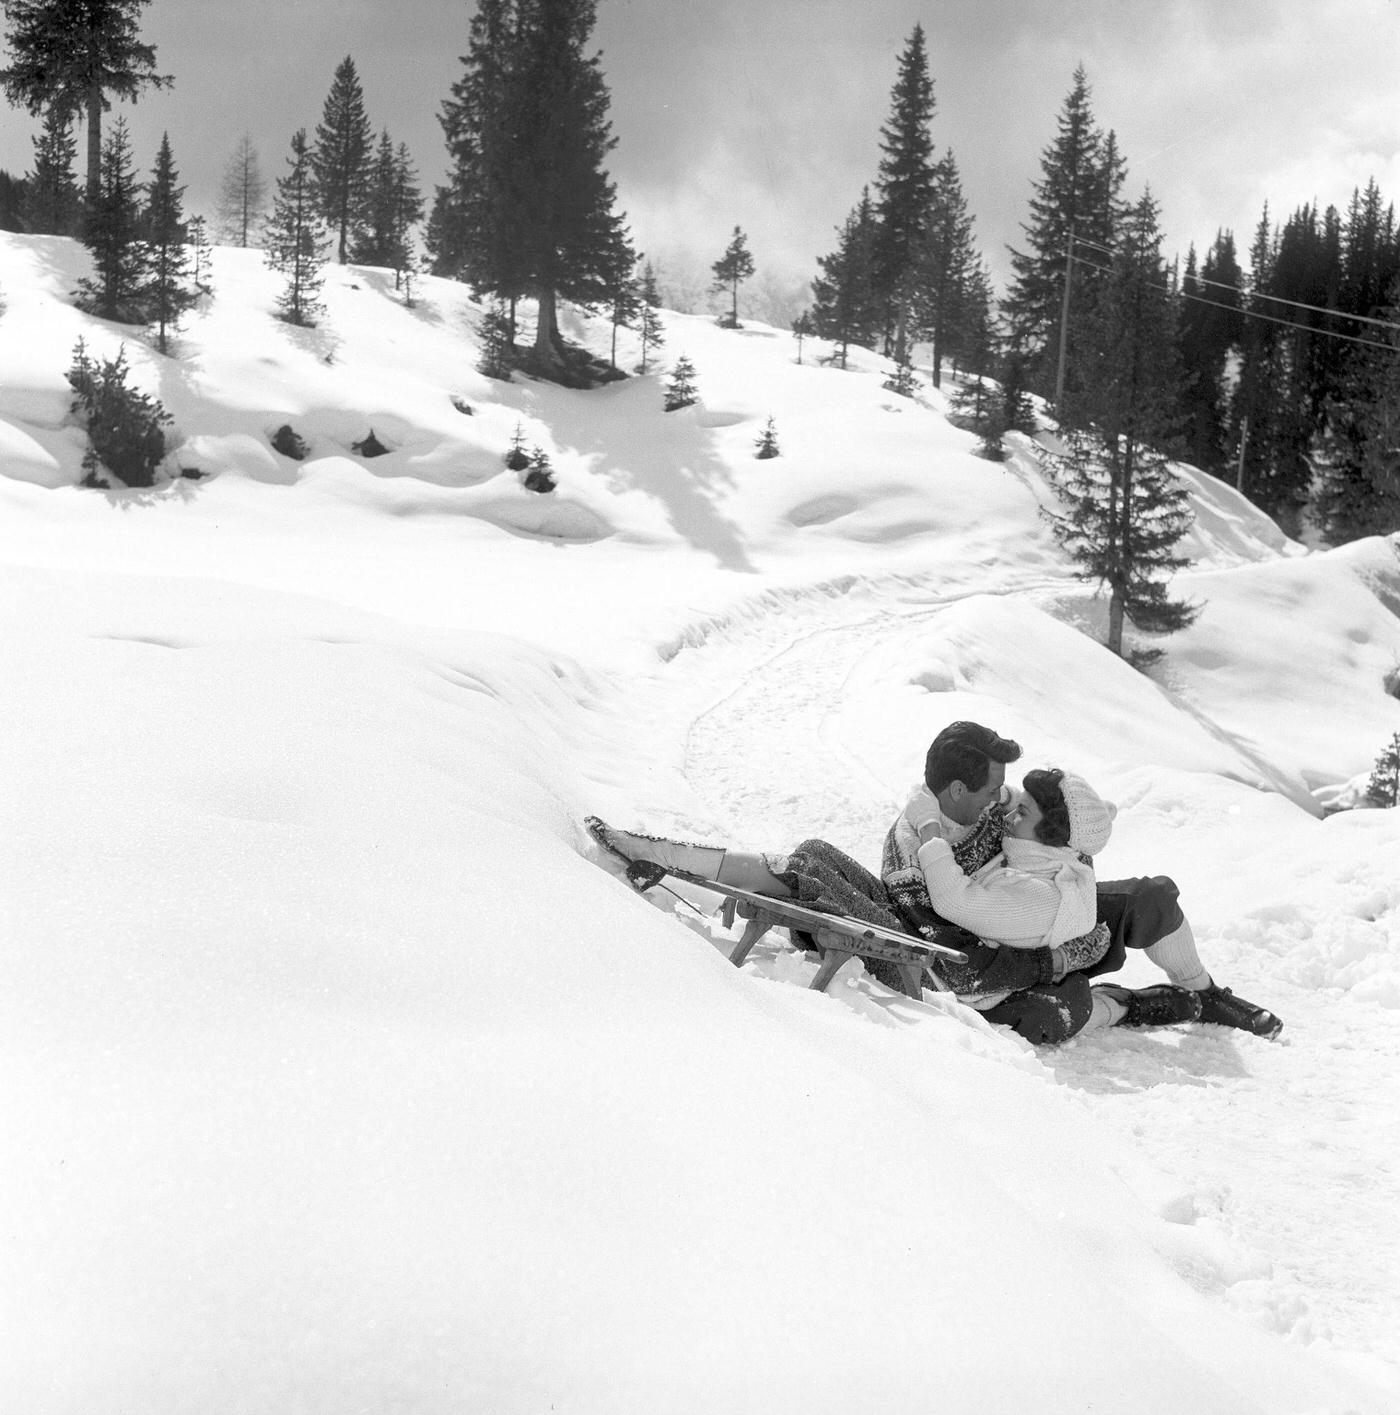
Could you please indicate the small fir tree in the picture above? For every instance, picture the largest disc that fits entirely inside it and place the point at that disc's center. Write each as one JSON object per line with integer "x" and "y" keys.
{"x": 171, "y": 288}
{"x": 680, "y": 387}
{"x": 125, "y": 427}
{"x": 540, "y": 476}
{"x": 112, "y": 232}
{"x": 242, "y": 202}
{"x": 730, "y": 271}
{"x": 201, "y": 255}
{"x": 517, "y": 458}
{"x": 766, "y": 444}
{"x": 342, "y": 159}
{"x": 902, "y": 380}
{"x": 295, "y": 243}
{"x": 497, "y": 342}
{"x": 653, "y": 337}
{"x": 1384, "y": 786}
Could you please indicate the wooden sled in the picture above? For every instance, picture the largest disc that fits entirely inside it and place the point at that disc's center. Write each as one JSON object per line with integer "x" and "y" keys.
{"x": 838, "y": 936}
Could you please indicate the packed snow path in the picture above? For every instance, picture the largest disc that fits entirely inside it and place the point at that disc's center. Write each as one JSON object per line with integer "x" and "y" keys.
{"x": 1283, "y": 1153}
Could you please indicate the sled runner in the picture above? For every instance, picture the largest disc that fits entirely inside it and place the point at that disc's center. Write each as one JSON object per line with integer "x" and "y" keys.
{"x": 838, "y": 937}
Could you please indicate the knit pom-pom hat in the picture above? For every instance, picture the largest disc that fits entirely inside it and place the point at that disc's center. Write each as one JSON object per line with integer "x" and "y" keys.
{"x": 1090, "y": 816}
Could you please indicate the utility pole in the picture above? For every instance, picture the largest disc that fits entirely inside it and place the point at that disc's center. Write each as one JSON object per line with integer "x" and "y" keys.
{"x": 1064, "y": 322}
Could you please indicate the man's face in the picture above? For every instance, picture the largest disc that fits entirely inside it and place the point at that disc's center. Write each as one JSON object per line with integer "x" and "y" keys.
{"x": 965, "y": 806}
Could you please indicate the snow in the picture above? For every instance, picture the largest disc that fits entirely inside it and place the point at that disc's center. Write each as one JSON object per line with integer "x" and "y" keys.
{"x": 340, "y": 1073}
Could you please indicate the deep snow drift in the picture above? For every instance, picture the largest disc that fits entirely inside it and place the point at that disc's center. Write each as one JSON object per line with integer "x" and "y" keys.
{"x": 339, "y": 1075}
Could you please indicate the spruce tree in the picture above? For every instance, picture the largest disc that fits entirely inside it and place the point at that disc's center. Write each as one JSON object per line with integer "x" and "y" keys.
{"x": 945, "y": 287}
{"x": 1360, "y": 492}
{"x": 1384, "y": 786}
{"x": 497, "y": 342}
{"x": 295, "y": 243}
{"x": 1124, "y": 511}
{"x": 730, "y": 270}
{"x": 125, "y": 427}
{"x": 625, "y": 308}
{"x": 845, "y": 306}
{"x": 341, "y": 158}
{"x": 1076, "y": 195}
{"x": 112, "y": 231}
{"x": 1211, "y": 327}
{"x": 393, "y": 206}
{"x": 171, "y": 288}
{"x": 68, "y": 56}
{"x": 529, "y": 209}
{"x": 53, "y": 202}
{"x": 766, "y": 444}
{"x": 652, "y": 335}
{"x": 905, "y": 186}
{"x": 242, "y": 201}
{"x": 680, "y": 387}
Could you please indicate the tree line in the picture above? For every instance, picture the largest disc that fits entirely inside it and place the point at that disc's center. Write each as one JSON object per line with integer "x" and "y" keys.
{"x": 1283, "y": 380}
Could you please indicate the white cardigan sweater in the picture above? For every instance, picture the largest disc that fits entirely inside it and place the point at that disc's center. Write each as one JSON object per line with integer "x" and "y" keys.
{"x": 1031, "y": 895}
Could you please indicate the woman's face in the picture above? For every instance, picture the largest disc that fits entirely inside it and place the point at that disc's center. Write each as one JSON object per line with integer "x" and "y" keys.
{"x": 1022, "y": 816}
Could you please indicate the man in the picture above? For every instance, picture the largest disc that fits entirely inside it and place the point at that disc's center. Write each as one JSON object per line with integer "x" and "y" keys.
{"x": 1048, "y": 998}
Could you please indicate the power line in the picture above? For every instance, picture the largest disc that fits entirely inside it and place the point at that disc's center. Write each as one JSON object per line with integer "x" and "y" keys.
{"x": 1259, "y": 295}
{"x": 1255, "y": 314}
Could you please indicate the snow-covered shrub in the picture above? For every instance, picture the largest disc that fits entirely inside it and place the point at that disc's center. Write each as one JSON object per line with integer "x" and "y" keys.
{"x": 286, "y": 441}
{"x": 125, "y": 427}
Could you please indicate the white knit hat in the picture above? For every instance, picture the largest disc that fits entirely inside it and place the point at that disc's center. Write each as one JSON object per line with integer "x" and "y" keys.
{"x": 1090, "y": 816}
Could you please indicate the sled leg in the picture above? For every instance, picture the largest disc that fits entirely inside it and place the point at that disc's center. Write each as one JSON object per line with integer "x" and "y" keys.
{"x": 832, "y": 959}
{"x": 753, "y": 931}
{"x": 911, "y": 975}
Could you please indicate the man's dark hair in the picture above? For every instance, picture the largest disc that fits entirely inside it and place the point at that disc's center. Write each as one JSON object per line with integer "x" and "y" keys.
{"x": 1043, "y": 787}
{"x": 964, "y": 751}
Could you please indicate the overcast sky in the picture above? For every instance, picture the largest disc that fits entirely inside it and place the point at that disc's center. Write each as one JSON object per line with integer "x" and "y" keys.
{"x": 766, "y": 113}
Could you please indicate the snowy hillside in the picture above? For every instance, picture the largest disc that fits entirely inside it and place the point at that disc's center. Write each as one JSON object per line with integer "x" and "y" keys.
{"x": 339, "y": 1075}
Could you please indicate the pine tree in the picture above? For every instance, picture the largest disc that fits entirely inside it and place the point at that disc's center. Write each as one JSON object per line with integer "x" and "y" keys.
{"x": 1211, "y": 327}
{"x": 295, "y": 242}
{"x": 625, "y": 309}
{"x": 902, "y": 380}
{"x": 1077, "y": 195}
{"x": 53, "y": 202}
{"x": 529, "y": 209}
{"x": 393, "y": 205}
{"x": 766, "y": 444}
{"x": 112, "y": 231}
{"x": 730, "y": 270}
{"x": 540, "y": 474}
{"x": 497, "y": 344}
{"x": 845, "y": 308}
{"x": 1124, "y": 510}
{"x": 653, "y": 337}
{"x": 341, "y": 158}
{"x": 242, "y": 195}
{"x": 67, "y": 56}
{"x": 946, "y": 276}
{"x": 905, "y": 186}
{"x": 516, "y": 457}
{"x": 680, "y": 387}
{"x": 1360, "y": 492}
{"x": 1384, "y": 786}
{"x": 171, "y": 288}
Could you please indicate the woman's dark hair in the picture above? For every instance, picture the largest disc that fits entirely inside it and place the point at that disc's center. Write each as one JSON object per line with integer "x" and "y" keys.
{"x": 964, "y": 751}
{"x": 1043, "y": 787}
